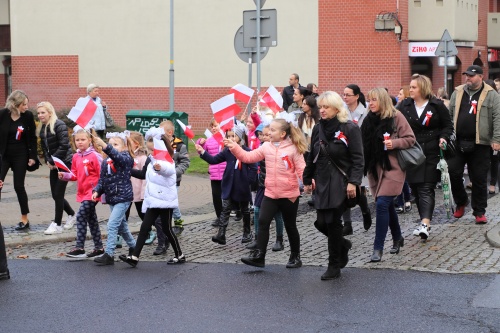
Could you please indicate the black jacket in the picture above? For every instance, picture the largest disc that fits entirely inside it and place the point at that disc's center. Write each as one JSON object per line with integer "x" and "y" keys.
{"x": 56, "y": 144}
{"x": 439, "y": 126}
{"x": 330, "y": 183}
{"x": 29, "y": 125}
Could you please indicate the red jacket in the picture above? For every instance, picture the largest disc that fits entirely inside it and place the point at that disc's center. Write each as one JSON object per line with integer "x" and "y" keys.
{"x": 86, "y": 168}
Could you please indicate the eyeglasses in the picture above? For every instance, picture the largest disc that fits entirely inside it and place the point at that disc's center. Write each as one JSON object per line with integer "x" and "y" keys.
{"x": 347, "y": 95}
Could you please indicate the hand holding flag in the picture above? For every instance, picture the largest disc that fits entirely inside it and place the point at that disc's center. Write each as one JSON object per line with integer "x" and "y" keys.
{"x": 160, "y": 151}
{"x": 60, "y": 165}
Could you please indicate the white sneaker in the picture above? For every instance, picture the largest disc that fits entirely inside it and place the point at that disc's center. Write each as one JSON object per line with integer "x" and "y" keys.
{"x": 423, "y": 231}
{"x": 70, "y": 222}
{"x": 53, "y": 229}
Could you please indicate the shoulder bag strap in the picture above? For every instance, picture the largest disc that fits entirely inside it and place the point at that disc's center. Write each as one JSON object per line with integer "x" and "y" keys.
{"x": 322, "y": 139}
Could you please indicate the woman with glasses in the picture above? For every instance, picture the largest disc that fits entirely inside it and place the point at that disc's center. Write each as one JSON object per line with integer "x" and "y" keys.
{"x": 431, "y": 122}
{"x": 384, "y": 131}
{"x": 18, "y": 147}
{"x": 53, "y": 135}
{"x": 356, "y": 107}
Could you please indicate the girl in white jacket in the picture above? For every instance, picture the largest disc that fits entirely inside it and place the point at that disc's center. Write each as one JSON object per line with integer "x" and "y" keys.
{"x": 160, "y": 198}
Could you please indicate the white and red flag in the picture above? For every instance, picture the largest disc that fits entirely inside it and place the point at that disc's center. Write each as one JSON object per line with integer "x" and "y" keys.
{"x": 60, "y": 165}
{"x": 273, "y": 99}
{"x": 242, "y": 93}
{"x": 208, "y": 133}
{"x": 225, "y": 108}
{"x": 227, "y": 124}
{"x": 160, "y": 151}
{"x": 219, "y": 137}
{"x": 83, "y": 111}
{"x": 187, "y": 129}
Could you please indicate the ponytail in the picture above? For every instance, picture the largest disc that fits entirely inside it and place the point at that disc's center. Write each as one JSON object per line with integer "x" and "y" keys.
{"x": 295, "y": 135}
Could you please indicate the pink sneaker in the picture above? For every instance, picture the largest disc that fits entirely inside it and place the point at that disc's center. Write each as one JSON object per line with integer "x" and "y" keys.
{"x": 481, "y": 219}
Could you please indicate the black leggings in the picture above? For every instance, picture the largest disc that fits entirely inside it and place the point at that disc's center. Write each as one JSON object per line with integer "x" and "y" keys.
{"x": 288, "y": 209}
{"x": 3, "y": 254}
{"x": 18, "y": 162}
{"x": 425, "y": 198}
{"x": 58, "y": 189}
{"x": 149, "y": 218}
{"x": 138, "y": 206}
{"x": 217, "y": 195}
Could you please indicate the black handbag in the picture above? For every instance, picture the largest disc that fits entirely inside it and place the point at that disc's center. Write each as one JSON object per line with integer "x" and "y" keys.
{"x": 35, "y": 166}
{"x": 451, "y": 147}
{"x": 411, "y": 157}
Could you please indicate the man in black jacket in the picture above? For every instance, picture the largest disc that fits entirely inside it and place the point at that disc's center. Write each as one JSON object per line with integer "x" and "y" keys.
{"x": 287, "y": 92}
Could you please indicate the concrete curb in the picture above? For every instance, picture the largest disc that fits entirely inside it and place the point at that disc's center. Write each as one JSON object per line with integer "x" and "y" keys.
{"x": 493, "y": 236}
{"x": 38, "y": 237}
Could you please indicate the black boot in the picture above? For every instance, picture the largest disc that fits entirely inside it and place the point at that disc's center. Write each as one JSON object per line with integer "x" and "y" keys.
{"x": 344, "y": 253}
{"x": 347, "y": 230}
{"x": 367, "y": 220}
{"x": 396, "y": 245}
{"x": 278, "y": 246}
{"x": 294, "y": 261}
{"x": 331, "y": 273}
{"x": 253, "y": 244}
{"x": 256, "y": 258}
{"x": 238, "y": 216}
{"x": 216, "y": 222}
{"x": 247, "y": 233}
{"x": 220, "y": 237}
{"x": 321, "y": 227}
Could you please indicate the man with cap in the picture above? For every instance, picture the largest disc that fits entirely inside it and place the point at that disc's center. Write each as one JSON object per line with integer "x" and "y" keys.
{"x": 475, "y": 110}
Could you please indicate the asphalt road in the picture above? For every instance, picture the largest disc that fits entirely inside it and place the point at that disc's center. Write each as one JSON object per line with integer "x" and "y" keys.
{"x": 63, "y": 296}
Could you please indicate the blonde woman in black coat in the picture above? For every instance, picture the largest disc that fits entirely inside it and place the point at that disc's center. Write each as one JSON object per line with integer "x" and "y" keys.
{"x": 18, "y": 147}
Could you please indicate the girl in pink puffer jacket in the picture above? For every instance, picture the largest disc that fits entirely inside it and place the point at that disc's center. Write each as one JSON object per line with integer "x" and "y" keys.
{"x": 284, "y": 163}
{"x": 216, "y": 171}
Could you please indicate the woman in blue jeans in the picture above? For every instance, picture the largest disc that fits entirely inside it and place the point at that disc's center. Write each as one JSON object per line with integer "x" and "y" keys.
{"x": 384, "y": 131}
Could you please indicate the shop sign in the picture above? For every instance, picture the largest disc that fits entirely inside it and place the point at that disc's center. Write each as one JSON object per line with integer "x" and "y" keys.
{"x": 422, "y": 49}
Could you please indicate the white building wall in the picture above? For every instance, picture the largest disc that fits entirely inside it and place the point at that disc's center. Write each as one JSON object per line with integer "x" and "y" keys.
{"x": 125, "y": 43}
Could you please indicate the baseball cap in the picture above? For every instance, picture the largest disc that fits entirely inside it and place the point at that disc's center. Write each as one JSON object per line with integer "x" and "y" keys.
{"x": 473, "y": 70}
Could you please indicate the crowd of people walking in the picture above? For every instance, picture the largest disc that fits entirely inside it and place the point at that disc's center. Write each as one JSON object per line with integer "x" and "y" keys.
{"x": 338, "y": 147}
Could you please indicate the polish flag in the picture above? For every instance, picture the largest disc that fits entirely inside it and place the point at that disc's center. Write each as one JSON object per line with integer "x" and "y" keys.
{"x": 187, "y": 129}
{"x": 60, "y": 165}
{"x": 273, "y": 99}
{"x": 160, "y": 151}
{"x": 225, "y": 108}
{"x": 208, "y": 133}
{"x": 219, "y": 137}
{"x": 227, "y": 124}
{"x": 242, "y": 93}
{"x": 83, "y": 111}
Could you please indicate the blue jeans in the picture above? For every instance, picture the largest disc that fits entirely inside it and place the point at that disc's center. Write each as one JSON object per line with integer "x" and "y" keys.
{"x": 405, "y": 195}
{"x": 386, "y": 218}
{"x": 177, "y": 212}
{"x": 117, "y": 225}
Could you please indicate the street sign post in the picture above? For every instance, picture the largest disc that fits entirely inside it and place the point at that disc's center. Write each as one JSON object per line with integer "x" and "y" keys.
{"x": 446, "y": 48}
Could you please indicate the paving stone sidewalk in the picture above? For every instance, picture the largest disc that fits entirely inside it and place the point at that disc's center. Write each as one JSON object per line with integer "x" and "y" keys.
{"x": 455, "y": 245}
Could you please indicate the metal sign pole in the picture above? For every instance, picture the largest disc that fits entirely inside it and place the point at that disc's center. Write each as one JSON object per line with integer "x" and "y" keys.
{"x": 249, "y": 78}
{"x": 171, "y": 71}
{"x": 446, "y": 67}
{"x": 257, "y": 2}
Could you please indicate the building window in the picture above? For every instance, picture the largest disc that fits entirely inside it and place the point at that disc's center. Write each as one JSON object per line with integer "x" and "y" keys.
{"x": 5, "y": 38}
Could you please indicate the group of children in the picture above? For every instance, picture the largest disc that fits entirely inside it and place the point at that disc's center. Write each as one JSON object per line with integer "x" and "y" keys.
{"x": 121, "y": 172}
{"x": 110, "y": 180}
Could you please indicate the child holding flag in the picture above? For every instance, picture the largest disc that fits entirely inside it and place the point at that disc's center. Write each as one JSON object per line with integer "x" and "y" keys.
{"x": 115, "y": 183}
{"x": 160, "y": 199}
{"x": 216, "y": 171}
{"x": 53, "y": 134}
{"x": 235, "y": 185}
{"x": 284, "y": 163}
{"x": 85, "y": 170}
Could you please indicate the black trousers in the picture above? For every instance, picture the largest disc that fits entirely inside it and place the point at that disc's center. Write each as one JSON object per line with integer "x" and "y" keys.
{"x": 216, "y": 186}
{"x": 17, "y": 160}
{"x": 478, "y": 164}
{"x": 288, "y": 209}
{"x": 425, "y": 198}
{"x": 229, "y": 204}
{"x": 493, "y": 168}
{"x": 138, "y": 207}
{"x": 151, "y": 215}
{"x": 58, "y": 189}
{"x": 3, "y": 254}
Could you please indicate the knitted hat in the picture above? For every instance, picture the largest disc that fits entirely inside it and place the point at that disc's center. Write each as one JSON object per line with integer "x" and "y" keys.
{"x": 239, "y": 131}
